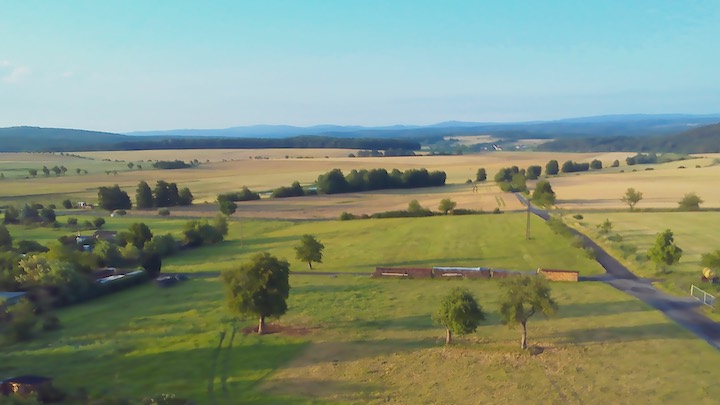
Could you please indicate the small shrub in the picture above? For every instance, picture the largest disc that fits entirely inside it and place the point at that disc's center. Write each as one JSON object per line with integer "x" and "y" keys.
{"x": 627, "y": 250}
{"x": 578, "y": 216}
{"x": 164, "y": 212}
{"x": 615, "y": 238}
{"x": 120, "y": 212}
{"x": 577, "y": 242}
{"x": 50, "y": 323}
{"x": 590, "y": 253}
{"x": 346, "y": 216}
{"x": 497, "y": 211}
{"x": 72, "y": 221}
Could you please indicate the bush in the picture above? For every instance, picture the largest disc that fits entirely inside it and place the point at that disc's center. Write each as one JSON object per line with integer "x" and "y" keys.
{"x": 98, "y": 222}
{"x": 578, "y": 216}
{"x": 497, "y": 210}
{"x": 120, "y": 212}
{"x": 164, "y": 212}
{"x": 72, "y": 221}
{"x": 615, "y": 238}
{"x": 346, "y": 216}
{"x": 627, "y": 250}
{"x": 50, "y": 323}
{"x": 577, "y": 241}
{"x": 67, "y": 204}
{"x": 31, "y": 246}
{"x": 590, "y": 253}
{"x": 464, "y": 211}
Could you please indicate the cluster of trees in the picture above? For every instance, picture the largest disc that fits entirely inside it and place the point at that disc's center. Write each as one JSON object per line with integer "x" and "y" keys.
{"x": 57, "y": 170}
{"x": 642, "y": 159}
{"x": 172, "y": 164}
{"x": 113, "y": 198}
{"x": 163, "y": 195}
{"x": 415, "y": 210}
{"x": 30, "y": 214}
{"x": 335, "y": 182}
{"x": 243, "y": 195}
{"x": 571, "y": 167}
{"x": 388, "y": 152}
{"x": 260, "y": 288}
{"x": 511, "y": 179}
{"x": 295, "y": 190}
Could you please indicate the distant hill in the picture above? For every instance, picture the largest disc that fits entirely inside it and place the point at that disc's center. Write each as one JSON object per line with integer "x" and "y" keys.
{"x": 33, "y": 139}
{"x": 611, "y": 132}
{"x": 704, "y": 139}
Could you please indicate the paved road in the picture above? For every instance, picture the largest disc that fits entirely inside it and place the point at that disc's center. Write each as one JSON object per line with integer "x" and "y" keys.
{"x": 683, "y": 310}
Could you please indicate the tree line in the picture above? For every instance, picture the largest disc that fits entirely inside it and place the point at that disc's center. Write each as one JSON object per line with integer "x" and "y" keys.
{"x": 335, "y": 182}
{"x": 256, "y": 143}
{"x": 163, "y": 195}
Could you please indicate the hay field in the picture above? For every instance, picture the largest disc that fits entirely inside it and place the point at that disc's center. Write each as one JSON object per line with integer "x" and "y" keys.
{"x": 662, "y": 187}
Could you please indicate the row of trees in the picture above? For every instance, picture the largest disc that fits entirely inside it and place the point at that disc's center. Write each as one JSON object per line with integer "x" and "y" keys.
{"x": 163, "y": 195}
{"x": 334, "y": 181}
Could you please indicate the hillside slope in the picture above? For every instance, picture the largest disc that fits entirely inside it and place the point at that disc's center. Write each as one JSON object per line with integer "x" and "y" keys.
{"x": 34, "y": 139}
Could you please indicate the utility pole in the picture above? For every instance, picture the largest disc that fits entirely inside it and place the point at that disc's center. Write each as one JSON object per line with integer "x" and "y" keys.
{"x": 527, "y": 227}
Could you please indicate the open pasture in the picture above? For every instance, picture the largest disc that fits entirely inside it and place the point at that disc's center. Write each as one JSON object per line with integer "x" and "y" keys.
{"x": 359, "y": 340}
{"x": 695, "y": 232}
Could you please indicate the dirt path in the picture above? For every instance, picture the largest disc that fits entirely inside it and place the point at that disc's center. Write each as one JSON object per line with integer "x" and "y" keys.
{"x": 682, "y": 310}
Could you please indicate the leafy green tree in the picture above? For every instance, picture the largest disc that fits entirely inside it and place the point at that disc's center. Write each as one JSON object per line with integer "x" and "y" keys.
{"x": 130, "y": 165}
{"x": 113, "y": 198}
{"x": 711, "y": 260}
{"x": 596, "y": 164}
{"x": 29, "y": 214}
{"x": 632, "y": 197}
{"x": 186, "y": 197}
{"x": 332, "y": 182}
{"x": 221, "y": 224}
{"x": 56, "y": 170}
{"x": 552, "y": 168}
{"x": 41, "y": 270}
{"x": 161, "y": 194}
{"x": 522, "y": 298}
{"x": 33, "y": 172}
{"x": 5, "y": 238}
{"x": 481, "y": 174}
{"x": 200, "y": 232}
{"x": 414, "y": 206}
{"x": 258, "y": 288}
{"x": 22, "y": 322}
{"x": 47, "y": 215}
{"x": 144, "y": 196}
{"x": 67, "y": 204}
{"x": 615, "y": 163}
{"x": 459, "y": 313}
{"x": 228, "y": 207}
{"x": 98, "y": 222}
{"x": 533, "y": 172}
{"x": 309, "y": 250}
{"x": 543, "y": 194}
{"x": 11, "y": 215}
{"x": 690, "y": 202}
{"x": 664, "y": 252}
{"x": 46, "y": 171}
{"x": 447, "y": 205}
{"x": 139, "y": 234}
{"x": 108, "y": 253}
{"x": 78, "y": 171}
{"x": 152, "y": 264}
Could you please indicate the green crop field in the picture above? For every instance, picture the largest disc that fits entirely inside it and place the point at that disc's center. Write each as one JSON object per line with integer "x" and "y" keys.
{"x": 359, "y": 340}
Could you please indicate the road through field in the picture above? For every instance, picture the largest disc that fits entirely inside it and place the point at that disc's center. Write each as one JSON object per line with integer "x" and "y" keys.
{"x": 682, "y": 310}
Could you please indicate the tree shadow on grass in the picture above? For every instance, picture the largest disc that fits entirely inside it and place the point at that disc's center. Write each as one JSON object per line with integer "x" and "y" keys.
{"x": 306, "y": 390}
{"x": 623, "y": 334}
{"x": 578, "y": 310}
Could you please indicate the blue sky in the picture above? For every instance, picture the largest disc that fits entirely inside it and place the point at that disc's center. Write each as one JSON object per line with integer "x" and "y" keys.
{"x": 144, "y": 65}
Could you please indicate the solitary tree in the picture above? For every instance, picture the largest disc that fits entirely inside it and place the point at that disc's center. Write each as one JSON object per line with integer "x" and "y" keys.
{"x": 33, "y": 172}
{"x": 605, "y": 228}
{"x": 152, "y": 263}
{"x": 309, "y": 250}
{"x": 258, "y": 288}
{"x": 139, "y": 234}
{"x": 459, "y": 313}
{"x": 543, "y": 195}
{"x": 227, "y": 207}
{"x": 664, "y": 252}
{"x": 5, "y": 238}
{"x": 67, "y": 204}
{"x": 691, "y": 202}
{"x": 524, "y": 297}
{"x": 46, "y": 171}
{"x": 130, "y": 165}
{"x": 631, "y": 197}
{"x": 615, "y": 163}
{"x": 596, "y": 164}
{"x": 447, "y": 205}
{"x": 481, "y": 174}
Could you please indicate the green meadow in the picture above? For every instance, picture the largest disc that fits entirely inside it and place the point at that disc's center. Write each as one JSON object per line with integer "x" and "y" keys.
{"x": 352, "y": 339}
{"x": 695, "y": 232}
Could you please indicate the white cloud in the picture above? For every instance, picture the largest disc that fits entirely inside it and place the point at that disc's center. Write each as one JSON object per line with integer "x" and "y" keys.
{"x": 16, "y": 74}
{"x": 4, "y": 63}
{"x": 66, "y": 74}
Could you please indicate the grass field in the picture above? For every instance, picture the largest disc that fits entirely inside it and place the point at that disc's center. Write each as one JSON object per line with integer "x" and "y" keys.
{"x": 694, "y": 232}
{"x": 496, "y": 241}
{"x": 359, "y": 340}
